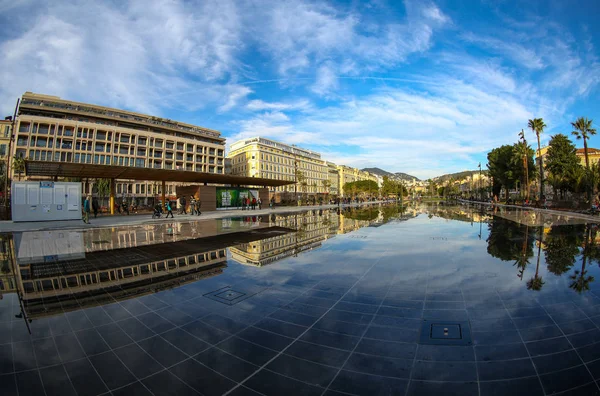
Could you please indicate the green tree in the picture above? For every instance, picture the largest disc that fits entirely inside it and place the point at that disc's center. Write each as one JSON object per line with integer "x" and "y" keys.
{"x": 537, "y": 126}
{"x": 561, "y": 159}
{"x": 583, "y": 130}
{"x": 18, "y": 165}
{"x": 501, "y": 168}
{"x": 102, "y": 187}
{"x": 326, "y": 185}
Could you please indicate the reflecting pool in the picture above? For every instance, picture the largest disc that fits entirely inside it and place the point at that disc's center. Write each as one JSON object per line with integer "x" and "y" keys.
{"x": 421, "y": 300}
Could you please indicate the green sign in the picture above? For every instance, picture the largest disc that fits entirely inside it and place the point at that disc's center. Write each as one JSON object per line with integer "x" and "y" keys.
{"x": 231, "y": 197}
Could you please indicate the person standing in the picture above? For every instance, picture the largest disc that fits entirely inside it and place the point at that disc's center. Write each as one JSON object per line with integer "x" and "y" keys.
{"x": 178, "y": 205}
{"x": 183, "y": 203}
{"x": 198, "y": 205}
{"x": 259, "y": 202}
{"x": 95, "y": 206}
{"x": 169, "y": 211}
{"x": 253, "y": 203}
{"x": 243, "y": 203}
{"x": 86, "y": 210}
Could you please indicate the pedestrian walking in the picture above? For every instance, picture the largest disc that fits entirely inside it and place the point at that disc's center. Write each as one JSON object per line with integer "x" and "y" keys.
{"x": 169, "y": 211}
{"x": 86, "y": 210}
{"x": 198, "y": 205}
{"x": 192, "y": 205}
{"x": 259, "y": 202}
{"x": 183, "y": 203}
{"x": 243, "y": 203}
{"x": 95, "y": 206}
{"x": 178, "y": 205}
{"x": 272, "y": 203}
{"x": 253, "y": 203}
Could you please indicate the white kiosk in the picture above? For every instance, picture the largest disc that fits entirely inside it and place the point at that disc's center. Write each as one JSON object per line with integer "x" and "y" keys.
{"x": 45, "y": 200}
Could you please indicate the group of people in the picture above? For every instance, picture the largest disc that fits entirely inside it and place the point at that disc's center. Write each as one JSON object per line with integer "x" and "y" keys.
{"x": 90, "y": 204}
{"x": 182, "y": 206}
{"x": 248, "y": 203}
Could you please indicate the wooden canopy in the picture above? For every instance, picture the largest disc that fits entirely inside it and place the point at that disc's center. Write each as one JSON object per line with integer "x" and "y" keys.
{"x": 93, "y": 171}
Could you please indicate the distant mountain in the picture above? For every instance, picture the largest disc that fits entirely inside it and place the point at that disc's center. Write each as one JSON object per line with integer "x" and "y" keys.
{"x": 458, "y": 175}
{"x": 406, "y": 176}
{"x": 397, "y": 175}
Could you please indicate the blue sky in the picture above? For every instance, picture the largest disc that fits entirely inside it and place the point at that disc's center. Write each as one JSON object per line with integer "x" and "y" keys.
{"x": 422, "y": 87}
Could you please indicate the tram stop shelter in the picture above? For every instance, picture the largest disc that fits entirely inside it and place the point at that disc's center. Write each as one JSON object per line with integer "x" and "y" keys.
{"x": 198, "y": 182}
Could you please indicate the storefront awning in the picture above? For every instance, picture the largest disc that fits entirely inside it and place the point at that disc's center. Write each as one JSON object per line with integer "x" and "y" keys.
{"x": 93, "y": 171}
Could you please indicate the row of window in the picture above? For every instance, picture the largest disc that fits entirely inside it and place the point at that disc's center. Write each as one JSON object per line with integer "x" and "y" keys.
{"x": 105, "y": 276}
{"x": 88, "y": 133}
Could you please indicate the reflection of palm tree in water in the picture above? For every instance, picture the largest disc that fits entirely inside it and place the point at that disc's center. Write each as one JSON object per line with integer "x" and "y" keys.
{"x": 536, "y": 282}
{"x": 523, "y": 260}
{"x": 579, "y": 280}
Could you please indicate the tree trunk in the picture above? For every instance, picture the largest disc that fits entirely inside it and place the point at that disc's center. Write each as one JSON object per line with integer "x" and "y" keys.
{"x": 588, "y": 174}
{"x": 541, "y": 166}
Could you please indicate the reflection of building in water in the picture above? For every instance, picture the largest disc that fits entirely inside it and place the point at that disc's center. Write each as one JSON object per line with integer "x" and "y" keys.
{"x": 124, "y": 237}
{"x": 7, "y": 276}
{"x": 311, "y": 227}
{"x": 52, "y": 282}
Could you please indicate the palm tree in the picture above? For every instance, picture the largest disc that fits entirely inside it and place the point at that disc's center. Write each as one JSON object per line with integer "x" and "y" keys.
{"x": 525, "y": 149}
{"x": 583, "y": 130}
{"x": 536, "y": 282}
{"x": 537, "y": 126}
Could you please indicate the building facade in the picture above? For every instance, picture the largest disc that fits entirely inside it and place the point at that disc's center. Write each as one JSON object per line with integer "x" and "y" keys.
{"x": 49, "y": 128}
{"x": 261, "y": 157}
{"x": 5, "y": 128}
{"x": 347, "y": 174}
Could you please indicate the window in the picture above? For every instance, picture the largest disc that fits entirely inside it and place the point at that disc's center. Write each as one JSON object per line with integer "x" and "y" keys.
{"x": 124, "y": 139}
{"x": 100, "y": 147}
{"x": 101, "y": 135}
{"x": 22, "y": 141}
{"x": 24, "y": 127}
{"x": 2, "y": 149}
{"x": 142, "y": 141}
{"x": 140, "y": 163}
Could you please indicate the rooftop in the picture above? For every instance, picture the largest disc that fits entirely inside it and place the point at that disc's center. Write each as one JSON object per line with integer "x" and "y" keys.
{"x": 41, "y": 102}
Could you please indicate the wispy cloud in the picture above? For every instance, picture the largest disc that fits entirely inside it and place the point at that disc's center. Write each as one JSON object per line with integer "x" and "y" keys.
{"x": 407, "y": 86}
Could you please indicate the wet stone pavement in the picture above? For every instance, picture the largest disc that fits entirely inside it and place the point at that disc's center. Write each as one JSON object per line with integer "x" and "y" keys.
{"x": 426, "y": 300}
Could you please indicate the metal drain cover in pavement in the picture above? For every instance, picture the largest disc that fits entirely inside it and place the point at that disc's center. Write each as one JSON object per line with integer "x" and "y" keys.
{"x": 441, "y": 332}
{"x": 228, "y": 296}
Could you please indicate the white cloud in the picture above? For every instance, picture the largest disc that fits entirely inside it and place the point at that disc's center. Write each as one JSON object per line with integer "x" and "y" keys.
{"x": 326, "y": 81}
{"x": 129, "y": 55}
{"x": 258, "y": 105}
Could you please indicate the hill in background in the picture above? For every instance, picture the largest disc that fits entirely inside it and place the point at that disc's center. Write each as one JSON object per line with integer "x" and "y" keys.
{"x": 396, "y": 176}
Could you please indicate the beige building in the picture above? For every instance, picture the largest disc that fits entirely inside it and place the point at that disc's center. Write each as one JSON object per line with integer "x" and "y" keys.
{"x": 348, "y": 174}
{"x": 5, "y": 127}
{"x": 261, "y": 157}
{"x": 53, "y": 129}
{"x": 334, "y": 179}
